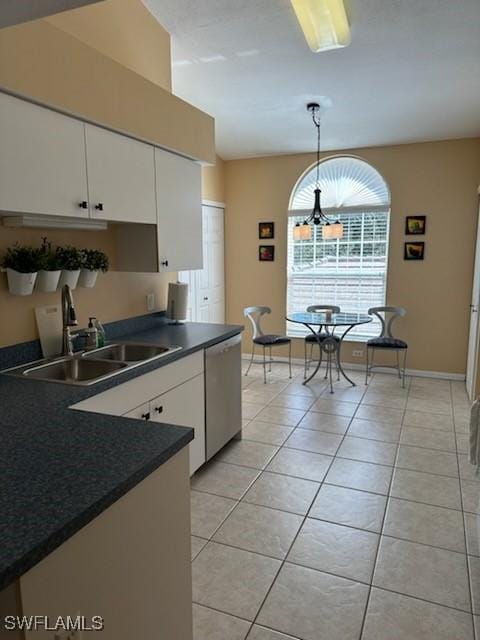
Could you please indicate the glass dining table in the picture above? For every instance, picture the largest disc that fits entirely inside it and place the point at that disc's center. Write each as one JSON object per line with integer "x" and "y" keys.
{"x": 329, "y": 343}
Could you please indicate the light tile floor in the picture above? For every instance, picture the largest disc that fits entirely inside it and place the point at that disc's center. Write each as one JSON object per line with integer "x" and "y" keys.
{"x": 347, "y": 516}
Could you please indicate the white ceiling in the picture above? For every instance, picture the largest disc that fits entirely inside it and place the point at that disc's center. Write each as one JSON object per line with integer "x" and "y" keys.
{"x": 412, "y": 73}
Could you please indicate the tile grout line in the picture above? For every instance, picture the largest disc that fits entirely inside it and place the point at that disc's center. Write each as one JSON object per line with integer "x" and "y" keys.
{"x": 389, "y": 497}
{"x": 299, "y": 529}
{"x": 469, "y": 584}
{"x": 375, "y": 562}
{"x": 295, "y": 537}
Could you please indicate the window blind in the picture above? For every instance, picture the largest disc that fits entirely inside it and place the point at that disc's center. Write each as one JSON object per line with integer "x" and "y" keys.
{"x": 350, "y": 273}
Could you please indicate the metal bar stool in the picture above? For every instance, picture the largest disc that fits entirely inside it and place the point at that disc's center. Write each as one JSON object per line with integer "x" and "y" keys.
{"x": 386, "y": 340}
{"x": 269, "y": 340}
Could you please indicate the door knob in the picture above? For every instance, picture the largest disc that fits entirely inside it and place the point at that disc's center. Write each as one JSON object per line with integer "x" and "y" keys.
{"x": 159, "y": 409}
{"x": 146, "y": 416}
{"x": 83, "y": 204}
{"x": 99, "y": 206}
{"x": 164, "y": 263}
{"x": 205, "y": 297}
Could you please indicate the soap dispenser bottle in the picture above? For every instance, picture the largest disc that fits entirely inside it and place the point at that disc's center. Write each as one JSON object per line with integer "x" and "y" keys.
{"x": 101, "y": 337}
{"x": 92, "y": 334}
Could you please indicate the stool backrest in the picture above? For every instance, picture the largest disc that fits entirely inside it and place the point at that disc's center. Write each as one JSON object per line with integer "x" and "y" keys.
{"x": 254, "y": 314}
{"x": 316, "y": 308}
{"x": 387, "y": 316}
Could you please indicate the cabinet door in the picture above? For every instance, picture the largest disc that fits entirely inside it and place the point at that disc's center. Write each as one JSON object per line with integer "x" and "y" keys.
{"x": 42, "y": 161}
{"x": 179, "y": 212}
{"x": 185, "y": 406}
{"x": 139, "y": 413}
{"x": 121, "y": 177}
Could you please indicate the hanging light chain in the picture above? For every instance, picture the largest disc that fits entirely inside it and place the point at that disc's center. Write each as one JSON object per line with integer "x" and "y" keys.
{"x": 317, "y": 124}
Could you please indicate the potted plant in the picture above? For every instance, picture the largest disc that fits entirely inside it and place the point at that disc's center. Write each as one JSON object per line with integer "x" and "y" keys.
{"x": 21, "y": 263}
{"x": 93, "y": 262}
{"x": 70, "y": 261}
{"x": 49, "y": 270}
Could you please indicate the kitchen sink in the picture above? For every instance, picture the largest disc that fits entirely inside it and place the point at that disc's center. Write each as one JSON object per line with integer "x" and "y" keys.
{"x": 128, "y": 352}
{"x": 95, "y": 365}
{"x": 75, "y": 370}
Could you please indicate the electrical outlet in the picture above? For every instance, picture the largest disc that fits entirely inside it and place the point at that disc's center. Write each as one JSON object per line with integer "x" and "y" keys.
{"x": 150, "y": 301}
{"x": 357, "y": 353}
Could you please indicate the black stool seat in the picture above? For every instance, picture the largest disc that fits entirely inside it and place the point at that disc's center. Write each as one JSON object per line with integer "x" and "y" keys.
{"x": 322, "y": 336}
{"x": 271, "y": 339}
{"x": 387, "y": 343}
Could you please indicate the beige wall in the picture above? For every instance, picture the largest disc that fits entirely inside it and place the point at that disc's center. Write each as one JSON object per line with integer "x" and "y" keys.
{"x": 125, "y": 31}
{"x": 438, "y": 179}
{"x": 47, "y": 64}
{"x": 213, "y": 181}
{"x": 114, "y": 297}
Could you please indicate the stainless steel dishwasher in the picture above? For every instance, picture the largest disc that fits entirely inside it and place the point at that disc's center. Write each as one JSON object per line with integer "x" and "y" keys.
{"x": 223, "y": 393}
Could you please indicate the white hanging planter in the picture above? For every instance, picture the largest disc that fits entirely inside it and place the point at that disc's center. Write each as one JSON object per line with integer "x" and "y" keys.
{"x": 47, "y": 281}
{"x": 20, "y": 284}
{"x": 70, "y": 278}
{"x": 87, "y": 278}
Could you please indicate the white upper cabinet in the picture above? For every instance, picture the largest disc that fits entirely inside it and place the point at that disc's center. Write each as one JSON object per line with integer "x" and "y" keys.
{"x": 42, "y": 161}
{"x": 121, "y": 177}
{"x": 179, "y": 212}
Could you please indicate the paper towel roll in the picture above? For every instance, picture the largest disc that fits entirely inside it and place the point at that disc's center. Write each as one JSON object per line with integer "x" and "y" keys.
{"x": 177, "y": 301}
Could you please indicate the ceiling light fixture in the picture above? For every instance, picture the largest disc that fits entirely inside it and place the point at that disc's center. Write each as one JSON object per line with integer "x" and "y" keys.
{"x": 330, "y": 230}
{"x": 324, "y": 23}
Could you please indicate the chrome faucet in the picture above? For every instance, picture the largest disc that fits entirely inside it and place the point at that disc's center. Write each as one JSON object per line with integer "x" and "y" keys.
{"x": 69, "y": 319}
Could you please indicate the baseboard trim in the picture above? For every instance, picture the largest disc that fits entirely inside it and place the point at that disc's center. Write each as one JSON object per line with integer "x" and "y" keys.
{"x": 420, "y": 373}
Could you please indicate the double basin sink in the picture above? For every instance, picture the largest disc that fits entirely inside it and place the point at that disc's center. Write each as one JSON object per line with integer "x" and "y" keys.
{"x": 93, "y": 366}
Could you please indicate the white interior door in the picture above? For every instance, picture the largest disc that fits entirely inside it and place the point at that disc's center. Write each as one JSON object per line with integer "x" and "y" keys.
{"x": 472, "y": 360}
{"x": 207, "y": 285}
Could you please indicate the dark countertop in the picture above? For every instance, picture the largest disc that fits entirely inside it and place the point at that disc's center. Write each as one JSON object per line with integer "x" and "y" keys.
{"x": 60, "y": 468}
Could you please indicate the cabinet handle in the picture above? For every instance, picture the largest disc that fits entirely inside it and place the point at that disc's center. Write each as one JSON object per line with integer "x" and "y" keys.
{"x": 99, "y": 206}
{"x": 159, "y": 409}
{"x": 205, "y": 298}
{"x": 83, "y": 204}
{"x": 146, "y": 416}
{"x": 164, "y": 263}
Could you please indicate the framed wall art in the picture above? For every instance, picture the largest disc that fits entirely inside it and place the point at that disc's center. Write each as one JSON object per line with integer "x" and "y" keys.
{"x": 266, "y": 230}
{"x": 266, "y": 253}
{"x": 415, "y": 225}
{"x": 414, "y": 251}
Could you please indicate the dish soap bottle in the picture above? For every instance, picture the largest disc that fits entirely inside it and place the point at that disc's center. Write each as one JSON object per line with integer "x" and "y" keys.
{"x": 91, "y": 334}
{"x": 101, "y": 337}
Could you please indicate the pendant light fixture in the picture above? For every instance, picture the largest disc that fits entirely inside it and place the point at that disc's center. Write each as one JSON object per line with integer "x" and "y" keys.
{"x": 330, "y": 230}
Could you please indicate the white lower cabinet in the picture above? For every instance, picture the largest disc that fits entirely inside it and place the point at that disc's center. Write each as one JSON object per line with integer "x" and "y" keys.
{"x": 140, "y": 413}
{"x": 184, "y": 406}
{"x": 173, "y": 394}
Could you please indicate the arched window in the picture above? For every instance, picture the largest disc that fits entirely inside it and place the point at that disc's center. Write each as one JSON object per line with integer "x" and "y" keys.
{"x": 350, "y": 272}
